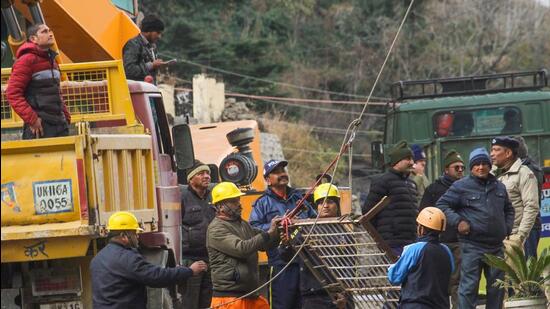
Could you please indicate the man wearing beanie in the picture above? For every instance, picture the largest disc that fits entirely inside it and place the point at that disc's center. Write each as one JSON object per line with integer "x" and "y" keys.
{"x": 417, "y": 174}
{"x": 454, "y": 170}
{"x": 197, "y": 213}
{"x": 521, "y": 185}
{"x": 478, "y": 208}
{"x": 396, "y": 222}
{"x": 140, "y": 53}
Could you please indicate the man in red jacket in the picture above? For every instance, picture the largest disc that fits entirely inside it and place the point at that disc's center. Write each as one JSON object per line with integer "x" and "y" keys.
{"x": 33, "y": 88}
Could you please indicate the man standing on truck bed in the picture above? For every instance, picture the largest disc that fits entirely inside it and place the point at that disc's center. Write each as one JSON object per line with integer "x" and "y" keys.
{"x": 395, "y": 223}
{"x": 33, "y": 88}
{"x": 521, "y": 185}
{"x": 140, "y": 53}
{"x": 197, "y": 213}
{"x": 277, "y": 200}
{"x": 120, "y": 273}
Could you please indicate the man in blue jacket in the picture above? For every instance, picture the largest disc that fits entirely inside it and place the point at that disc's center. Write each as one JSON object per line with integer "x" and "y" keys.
{"x": 120, "y": 273}
{"x": 278, "y": 199}
{"x": 478, "y": 207}
{"x": 424, "y": 269}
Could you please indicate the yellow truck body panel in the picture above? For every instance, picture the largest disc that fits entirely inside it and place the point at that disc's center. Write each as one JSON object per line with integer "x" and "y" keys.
{"x": 40, "y": 181}
{"x": 58, "y": 193}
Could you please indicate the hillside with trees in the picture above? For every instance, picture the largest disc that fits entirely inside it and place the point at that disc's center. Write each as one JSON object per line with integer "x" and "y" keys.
{"x": 333, "y": 50}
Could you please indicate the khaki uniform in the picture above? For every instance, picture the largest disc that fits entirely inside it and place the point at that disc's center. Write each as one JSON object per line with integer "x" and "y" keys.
{"x": 522, "y": 187}
{"x": 422, "y": 182}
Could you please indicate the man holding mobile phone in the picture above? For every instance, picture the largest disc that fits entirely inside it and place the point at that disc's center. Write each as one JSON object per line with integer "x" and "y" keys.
{"x": 140, "y": 57}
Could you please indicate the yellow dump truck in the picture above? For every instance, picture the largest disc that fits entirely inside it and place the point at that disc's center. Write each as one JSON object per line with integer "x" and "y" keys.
{"x": 57, "y": 193}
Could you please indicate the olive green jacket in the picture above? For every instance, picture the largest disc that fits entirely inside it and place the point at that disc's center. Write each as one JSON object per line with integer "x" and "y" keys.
{"x": 422, "y": 182}
{"x": 233, "y": 251}
{"x": 522, "y": 188}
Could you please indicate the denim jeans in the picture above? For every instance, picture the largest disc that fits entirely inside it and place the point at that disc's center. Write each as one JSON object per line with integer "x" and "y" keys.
{"x": 284, "y": 291}
{"x": 470, "y": 272}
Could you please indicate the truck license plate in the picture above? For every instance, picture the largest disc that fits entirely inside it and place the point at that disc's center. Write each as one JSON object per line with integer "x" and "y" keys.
{"x": 53, "y": 196}
{"x": 65, "y": 305}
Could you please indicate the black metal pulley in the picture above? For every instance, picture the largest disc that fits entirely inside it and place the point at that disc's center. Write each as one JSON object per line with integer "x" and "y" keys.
{"x": 239, "y": 168}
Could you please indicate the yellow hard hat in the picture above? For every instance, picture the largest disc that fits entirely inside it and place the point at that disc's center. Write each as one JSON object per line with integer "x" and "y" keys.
{"x": 433, "y": 218}
{"x": 123, "y": 221}
{"x": 325, "y": 190}
{"x": 224, "y": 191}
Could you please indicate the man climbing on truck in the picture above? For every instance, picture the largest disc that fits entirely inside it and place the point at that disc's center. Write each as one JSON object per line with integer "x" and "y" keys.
{"x": 33, "y": 88}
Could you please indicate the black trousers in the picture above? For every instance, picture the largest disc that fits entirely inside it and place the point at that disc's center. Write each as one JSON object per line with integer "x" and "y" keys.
{"x": 50, "y": 130}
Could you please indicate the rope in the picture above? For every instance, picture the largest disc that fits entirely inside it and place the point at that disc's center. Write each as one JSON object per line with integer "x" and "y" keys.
{"x": 346, "y": 143}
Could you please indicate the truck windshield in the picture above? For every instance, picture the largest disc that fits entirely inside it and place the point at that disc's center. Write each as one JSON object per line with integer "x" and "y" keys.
{"x": 488, "y": 121}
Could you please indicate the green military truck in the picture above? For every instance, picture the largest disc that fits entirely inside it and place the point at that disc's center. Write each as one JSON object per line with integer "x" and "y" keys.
{"x": 464, "y": 113}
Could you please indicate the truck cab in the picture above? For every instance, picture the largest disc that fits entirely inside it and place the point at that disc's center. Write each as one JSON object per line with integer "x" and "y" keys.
{"x": 467, "y": 115}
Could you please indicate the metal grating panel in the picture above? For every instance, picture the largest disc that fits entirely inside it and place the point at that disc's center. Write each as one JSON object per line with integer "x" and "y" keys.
{"x": 348, "y": 256}
{"x": 88, "y": 97}
{"x": 5, "y": 109}
{"x": 86, "y": 92}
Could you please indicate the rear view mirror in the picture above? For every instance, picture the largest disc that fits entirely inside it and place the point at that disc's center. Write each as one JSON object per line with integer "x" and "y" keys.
{"x": 183, "y": 146}
{"x": 214, "y": 173}
{"x": 377, "y": 155}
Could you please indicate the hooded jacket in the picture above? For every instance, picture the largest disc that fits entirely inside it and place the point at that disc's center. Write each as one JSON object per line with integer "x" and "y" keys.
{"x": 34, "y": 86}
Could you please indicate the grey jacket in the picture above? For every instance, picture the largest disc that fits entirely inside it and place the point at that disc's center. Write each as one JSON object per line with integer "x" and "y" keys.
{"x": 138, "y": 56}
